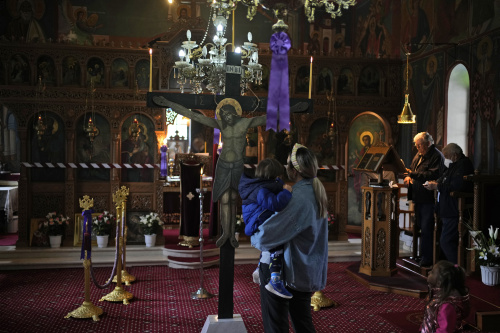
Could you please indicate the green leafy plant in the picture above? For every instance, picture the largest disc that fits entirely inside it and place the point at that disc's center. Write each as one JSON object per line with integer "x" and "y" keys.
{"x": 487, "y": 248}
{"x": 102, "y": 224}
{"x": 54, "y": 224}
{"x": 149, "y": 223}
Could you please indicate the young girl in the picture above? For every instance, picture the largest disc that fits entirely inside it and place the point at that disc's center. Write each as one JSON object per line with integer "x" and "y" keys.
{"x": 448, "y": 299}
{"x": 261, "y": 197}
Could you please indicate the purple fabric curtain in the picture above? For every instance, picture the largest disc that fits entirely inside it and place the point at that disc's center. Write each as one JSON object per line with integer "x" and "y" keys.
{"x": 163, "y": 161}
{"x": 278, "y": 97}
{"x": 86, "y": 232}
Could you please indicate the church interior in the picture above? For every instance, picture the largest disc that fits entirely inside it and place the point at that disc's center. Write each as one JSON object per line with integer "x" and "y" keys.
{"x": 83, "y": 139}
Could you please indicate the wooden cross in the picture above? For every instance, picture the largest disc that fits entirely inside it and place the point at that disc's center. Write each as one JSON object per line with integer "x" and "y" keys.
{"x": 190, "y": 101}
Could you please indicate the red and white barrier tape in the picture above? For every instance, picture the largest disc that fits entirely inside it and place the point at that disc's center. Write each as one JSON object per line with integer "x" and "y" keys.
{"x": 91, "y": 165}
{"x": 130, "y": 166}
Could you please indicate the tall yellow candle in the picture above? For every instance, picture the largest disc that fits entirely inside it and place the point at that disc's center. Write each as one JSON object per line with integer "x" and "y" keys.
{"x": 310, "y": 77}
{"x": 150, "y": 70}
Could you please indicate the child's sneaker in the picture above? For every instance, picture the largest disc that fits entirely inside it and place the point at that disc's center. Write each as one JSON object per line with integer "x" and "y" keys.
{"x": 276, "y": 286}
{"x": 255, "y": 276}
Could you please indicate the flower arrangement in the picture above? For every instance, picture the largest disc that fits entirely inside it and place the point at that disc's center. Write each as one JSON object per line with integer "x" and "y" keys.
{"x": 488, "y": 254}
{"x": 149, "y": 223}
{"x": 331, "y": 222}
{"x": 240, "y": 224}
{"x": 54, "y": 224}
{"x": 102, "y": 224}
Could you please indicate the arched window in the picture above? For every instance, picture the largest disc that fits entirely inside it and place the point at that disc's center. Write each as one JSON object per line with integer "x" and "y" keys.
{"x": 458, "y": 107}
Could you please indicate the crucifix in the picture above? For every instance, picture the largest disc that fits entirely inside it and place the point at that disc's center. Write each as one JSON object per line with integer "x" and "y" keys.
{"x": 230, "y": 163}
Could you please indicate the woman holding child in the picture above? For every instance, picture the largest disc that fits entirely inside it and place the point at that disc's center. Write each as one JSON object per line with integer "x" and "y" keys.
{"x": 302, "y": 229}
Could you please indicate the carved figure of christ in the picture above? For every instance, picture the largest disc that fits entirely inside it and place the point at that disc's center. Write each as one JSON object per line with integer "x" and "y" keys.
{"x": 230, "y": 163}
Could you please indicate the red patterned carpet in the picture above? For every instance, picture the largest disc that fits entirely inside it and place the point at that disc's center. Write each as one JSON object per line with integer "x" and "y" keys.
{"x": 38, "y": 300}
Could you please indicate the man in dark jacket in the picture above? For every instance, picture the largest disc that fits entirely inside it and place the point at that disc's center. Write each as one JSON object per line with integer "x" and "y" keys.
{"x": 452, "y": 179}
{"x": 425, "y": 166}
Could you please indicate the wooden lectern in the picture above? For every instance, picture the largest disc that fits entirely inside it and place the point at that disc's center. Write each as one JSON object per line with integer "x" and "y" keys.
{"x": 380, "y": 237}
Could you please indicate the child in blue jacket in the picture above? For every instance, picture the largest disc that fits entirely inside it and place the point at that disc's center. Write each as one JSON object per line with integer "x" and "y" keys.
{"x": 262, "y": 196}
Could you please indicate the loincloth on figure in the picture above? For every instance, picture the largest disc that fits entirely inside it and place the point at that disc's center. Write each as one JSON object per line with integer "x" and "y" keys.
{"x": 227, "y": 175}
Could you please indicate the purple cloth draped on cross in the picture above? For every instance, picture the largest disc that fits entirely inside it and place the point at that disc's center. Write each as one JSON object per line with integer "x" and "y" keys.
{"x": 278, "y": 97}
{"x": 163, "y": 161}
{"x": 86, "y": 232}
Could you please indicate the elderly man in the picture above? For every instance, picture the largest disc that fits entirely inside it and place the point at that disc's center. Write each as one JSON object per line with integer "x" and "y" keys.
{"x": 425, "y": 166}
{"x": 457, "y": 166}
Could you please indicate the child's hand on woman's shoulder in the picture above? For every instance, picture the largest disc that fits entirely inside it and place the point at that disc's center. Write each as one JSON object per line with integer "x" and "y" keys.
{"x": 287, "y": 187}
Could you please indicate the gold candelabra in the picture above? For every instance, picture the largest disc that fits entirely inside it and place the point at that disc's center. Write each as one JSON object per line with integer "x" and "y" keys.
{"x": 119, "y": 294}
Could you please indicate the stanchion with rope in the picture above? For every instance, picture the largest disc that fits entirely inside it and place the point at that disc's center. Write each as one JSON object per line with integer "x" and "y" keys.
{"x": 127, "y": 278}
{"x": 119, "y": 294}
{"x": 87, "y": 309}
{"x": 201, "y": 293}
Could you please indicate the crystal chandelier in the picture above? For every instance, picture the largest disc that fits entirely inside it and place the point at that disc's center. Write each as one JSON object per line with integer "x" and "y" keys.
{"x": 332, "y": 7}
{"x": 206, "y": 64}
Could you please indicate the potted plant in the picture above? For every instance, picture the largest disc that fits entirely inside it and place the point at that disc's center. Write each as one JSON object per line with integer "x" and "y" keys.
{"x": 488, "y": 255}
{"x": 149, "y": 224}
{"x": 54, "y": 226}
{"x": 102, "y": 226}
{"x": 331, "y": 223}
{"x": 239, "y": 228}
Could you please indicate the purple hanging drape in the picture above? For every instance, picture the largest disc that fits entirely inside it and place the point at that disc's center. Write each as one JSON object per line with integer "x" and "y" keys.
{"x": 86, "y": 233}
{"x": 163, "y": 161}
{"x": 278, "y": 97}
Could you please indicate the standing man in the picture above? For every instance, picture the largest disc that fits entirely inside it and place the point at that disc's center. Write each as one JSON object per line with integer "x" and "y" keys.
{"x": 425, "y": 166}
{"x": 230, "y": 163}
{"x": 457, "y": 166}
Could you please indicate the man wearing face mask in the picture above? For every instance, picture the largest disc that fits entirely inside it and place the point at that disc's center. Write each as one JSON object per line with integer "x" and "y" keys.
{"x": 425, "y": 166}
{"x": 457, "y": 166}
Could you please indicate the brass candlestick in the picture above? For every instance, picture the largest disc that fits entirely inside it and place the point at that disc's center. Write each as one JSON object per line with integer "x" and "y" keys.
{"x": 119, "y": 294}
{"x": 87, "y": 309}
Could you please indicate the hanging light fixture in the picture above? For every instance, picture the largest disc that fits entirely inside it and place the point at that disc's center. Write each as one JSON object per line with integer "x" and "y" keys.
{"x": 406, "y": 116}
{"x": 206, "y": 64}
{"x": 40, "y": 126}
{"x": 332, "y": 7}
{"x": 90, "y": 129}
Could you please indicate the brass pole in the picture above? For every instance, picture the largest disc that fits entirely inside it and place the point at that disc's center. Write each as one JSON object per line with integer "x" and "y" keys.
{"x": 127, "y": 278}
{"x": 119, "y": 294}
{"x": 87, "y": 309}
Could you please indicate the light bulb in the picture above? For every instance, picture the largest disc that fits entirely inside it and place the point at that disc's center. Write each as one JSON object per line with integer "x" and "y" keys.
{"x": 250, "y": 37}
{"x": 237, "y": 50}
{"x": 204, "y": 51}
{"x": 188, "y": 34}
{"x": 219, "y": 28}
{"x": 182, "y": 54}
